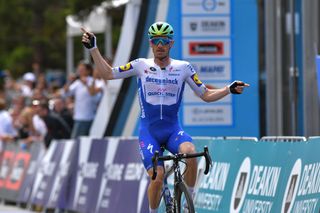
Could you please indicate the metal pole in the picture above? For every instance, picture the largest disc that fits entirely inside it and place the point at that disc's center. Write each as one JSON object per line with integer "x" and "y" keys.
{"x": 293, "y": 70}
{"x": 108, "y": 37}
{"x": 274, "y": 67}
{"x": 70, "y": 65}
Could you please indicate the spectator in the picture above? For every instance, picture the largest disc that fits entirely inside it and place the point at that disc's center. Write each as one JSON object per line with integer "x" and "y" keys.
{"x": 28, "y": 84}
{"x": 86, "y": 95}
{"x": 7, "y": 131}
{"x": 56, "y": 126}
{"x": 31, "y": 128}
{"x": 59, "y": 107}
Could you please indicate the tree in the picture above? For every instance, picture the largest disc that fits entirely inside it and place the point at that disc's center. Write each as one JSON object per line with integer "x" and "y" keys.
{"x": 35, "y": 31}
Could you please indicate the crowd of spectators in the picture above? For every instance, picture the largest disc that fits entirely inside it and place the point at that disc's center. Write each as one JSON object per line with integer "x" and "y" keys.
{"x": 33, "y": 109}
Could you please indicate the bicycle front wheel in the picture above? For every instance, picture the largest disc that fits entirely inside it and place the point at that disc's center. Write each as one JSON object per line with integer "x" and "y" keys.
{"x": 183, "y": 200}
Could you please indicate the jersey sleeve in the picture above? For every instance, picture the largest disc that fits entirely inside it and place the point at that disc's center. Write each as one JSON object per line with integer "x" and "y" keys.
{"x": 193, "y": 80}
{"x": 125, "y": 71}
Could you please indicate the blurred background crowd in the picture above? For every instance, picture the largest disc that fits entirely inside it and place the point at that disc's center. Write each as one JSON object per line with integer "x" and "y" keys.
{"x": 34, "y": 108}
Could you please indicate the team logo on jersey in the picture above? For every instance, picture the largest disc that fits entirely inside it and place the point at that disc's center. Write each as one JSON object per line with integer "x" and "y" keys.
{"x": 153, "y": 69}
{"x": 126, "y": 67}
{"x": 196, "y": 79}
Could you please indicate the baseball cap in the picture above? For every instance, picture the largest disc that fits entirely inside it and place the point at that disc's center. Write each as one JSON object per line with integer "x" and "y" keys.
{"x": 29, "y": 76}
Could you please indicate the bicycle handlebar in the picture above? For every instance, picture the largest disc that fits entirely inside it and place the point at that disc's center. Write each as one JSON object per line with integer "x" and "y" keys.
{"x": 180, "y": 156}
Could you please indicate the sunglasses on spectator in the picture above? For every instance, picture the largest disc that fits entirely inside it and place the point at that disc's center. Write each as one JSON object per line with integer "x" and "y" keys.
{"x": 164, "y": 41}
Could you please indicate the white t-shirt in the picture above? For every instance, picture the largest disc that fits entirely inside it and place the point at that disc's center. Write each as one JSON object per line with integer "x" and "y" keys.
{"x": 85, "y": 105}
{"x": 39, "y": 125}
{"x": 6, "y": 125}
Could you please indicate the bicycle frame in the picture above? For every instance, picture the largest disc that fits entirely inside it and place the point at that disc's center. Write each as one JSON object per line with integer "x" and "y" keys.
{"x": 177, "y": 175}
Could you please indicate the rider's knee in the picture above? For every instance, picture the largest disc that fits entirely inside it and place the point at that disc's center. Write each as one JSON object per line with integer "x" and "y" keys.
{"x": 159, "y": 177}
{"x": 187, "y": 148}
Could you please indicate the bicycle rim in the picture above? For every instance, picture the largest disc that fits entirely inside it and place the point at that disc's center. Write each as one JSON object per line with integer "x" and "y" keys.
{"x": 183, "y": 199}
{"x": 163, "y": 208}
{"x": 162, "y": 205}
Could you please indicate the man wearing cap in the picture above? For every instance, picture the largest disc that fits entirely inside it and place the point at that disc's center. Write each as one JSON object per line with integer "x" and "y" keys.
{"x": 161, "y": 82}
{"x": 29, "y": 80}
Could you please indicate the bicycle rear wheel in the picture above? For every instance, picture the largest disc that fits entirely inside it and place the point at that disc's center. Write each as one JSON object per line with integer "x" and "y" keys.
{"x": 183, "y": 200}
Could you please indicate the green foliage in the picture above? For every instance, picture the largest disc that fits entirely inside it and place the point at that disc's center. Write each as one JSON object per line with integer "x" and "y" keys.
{"x": 35, "y": 31}
{"x": 83, "y": 8}
{"x": 20, "y": 60}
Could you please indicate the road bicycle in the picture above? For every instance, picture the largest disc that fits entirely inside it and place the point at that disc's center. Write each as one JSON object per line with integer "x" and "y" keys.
{"x": 181, "y": 198}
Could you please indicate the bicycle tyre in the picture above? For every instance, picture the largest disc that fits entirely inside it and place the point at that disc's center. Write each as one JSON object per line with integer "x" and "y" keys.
{"x": 181, "y": 194}
{"x": 163, "y": 208}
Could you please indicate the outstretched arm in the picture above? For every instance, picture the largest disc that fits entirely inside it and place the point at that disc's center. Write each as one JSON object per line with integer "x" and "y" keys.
{"x": 103, "y": 68}
{"x": 235, "y": 87}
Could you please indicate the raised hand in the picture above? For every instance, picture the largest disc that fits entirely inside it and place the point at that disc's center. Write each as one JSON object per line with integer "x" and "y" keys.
{"x": 88, "y": 39}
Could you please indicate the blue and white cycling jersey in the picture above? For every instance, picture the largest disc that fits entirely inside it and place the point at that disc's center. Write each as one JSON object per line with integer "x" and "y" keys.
{"x": 160, "y": 90}
{"x": 160, "y": 94}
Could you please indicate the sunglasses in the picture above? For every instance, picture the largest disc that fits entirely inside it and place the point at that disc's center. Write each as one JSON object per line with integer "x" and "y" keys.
{"x": 163, "y": 41}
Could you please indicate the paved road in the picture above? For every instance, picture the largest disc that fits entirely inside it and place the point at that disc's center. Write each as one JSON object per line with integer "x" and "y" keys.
{"x": 12, "y": 209}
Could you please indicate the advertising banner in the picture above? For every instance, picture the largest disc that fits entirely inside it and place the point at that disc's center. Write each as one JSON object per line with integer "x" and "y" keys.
{"x": 45, "y": 185}
{"x": 58, "y": 193}
{"x": 221, "y": 43}
{"x": 86, "y": 178}
{"x": 14, "y": 165}
{"x": 110, "y": 177}
{"x": 124, "y": 183}
{"x": 37, "y": 151}
{"x": 249, "y": 176}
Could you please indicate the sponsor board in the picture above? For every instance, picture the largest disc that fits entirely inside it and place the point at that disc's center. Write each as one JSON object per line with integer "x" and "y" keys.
{"x": 198, "y": 115}
{"x": 53, "y": 167}
{"x": 205, "y": 7}
{"x": 206, "y": 26}
{"x": 123, "y": 179}
{"x": 213, "y": 70}
{"x": 261, "y": 177}
{"x": 87, "y": 175}
{"x": 15, "y": 164}
{"x": 206, "y": 49}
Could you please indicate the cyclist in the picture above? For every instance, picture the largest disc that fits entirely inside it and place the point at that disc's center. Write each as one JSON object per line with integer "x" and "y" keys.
{"x": 161, "y": 82}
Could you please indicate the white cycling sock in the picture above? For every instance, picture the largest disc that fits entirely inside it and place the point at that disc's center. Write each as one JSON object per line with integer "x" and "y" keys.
{"x": 153, "y": 210}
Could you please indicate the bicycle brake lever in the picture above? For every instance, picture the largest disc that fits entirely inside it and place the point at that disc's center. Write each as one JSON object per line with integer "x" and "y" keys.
{"x": 208, "y": 160}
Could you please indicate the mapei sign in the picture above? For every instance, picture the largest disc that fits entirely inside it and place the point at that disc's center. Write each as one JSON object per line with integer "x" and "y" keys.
{"x": 213, "y": 70}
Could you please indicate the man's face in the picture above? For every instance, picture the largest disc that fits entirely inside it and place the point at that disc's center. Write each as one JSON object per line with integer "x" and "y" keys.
{"x": 161, "y": 46}
{"x": 82, "y": 70}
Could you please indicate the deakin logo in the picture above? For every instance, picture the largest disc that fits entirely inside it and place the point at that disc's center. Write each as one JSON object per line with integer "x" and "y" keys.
{"x": 193, "y": 26}
{"x": 292, "y": 187}
{"x": 240, "y": 186}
